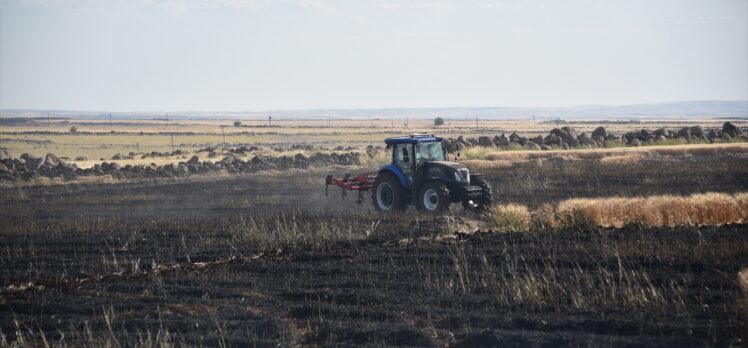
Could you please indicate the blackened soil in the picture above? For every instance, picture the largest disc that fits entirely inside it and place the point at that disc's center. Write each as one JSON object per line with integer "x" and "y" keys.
{"x": 628, "y": 287}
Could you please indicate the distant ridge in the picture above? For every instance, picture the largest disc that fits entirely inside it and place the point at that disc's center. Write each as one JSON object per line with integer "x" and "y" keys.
{"x": 678, "y": 109}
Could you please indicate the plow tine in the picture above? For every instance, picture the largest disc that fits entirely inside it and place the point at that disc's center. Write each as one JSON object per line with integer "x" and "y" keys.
{"x": 328, "y": 182}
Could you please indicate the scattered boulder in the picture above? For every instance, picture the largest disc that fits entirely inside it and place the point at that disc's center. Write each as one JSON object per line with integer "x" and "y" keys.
{"x": 562, "y": 135}
{"x": 485, "y": 141}
{"x": 697, "y": 132}
{"x": 228, "y": 161}
{"x": 599, "y": 132}
{"x": 50, "y": 160}
{"x": 32, "y": 162}
{"x": 552, "y": 139}
{"x": 570, "y": 131}
{"x": 685, "y": 133}
{"x": 731, "y": 130}
{"x": 502, "y": 140}
{"x": 660, "y": 133}
{"x": 515, "y": 138}
{"x": 585, "y": 140}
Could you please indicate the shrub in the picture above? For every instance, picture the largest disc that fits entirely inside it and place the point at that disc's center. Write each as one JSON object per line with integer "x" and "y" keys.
{"x": 73, "y": 129}
{"x": 237, "y": 124}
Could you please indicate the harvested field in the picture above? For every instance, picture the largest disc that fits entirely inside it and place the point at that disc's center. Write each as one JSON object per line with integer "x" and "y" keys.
{"x": 265, "y": 258}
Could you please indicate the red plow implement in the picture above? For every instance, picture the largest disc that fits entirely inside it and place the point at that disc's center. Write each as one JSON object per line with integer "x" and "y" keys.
{"x": 362, "y": 182}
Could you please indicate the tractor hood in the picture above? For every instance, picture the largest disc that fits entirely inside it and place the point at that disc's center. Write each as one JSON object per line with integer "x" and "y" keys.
{"x": 446, "y": 171}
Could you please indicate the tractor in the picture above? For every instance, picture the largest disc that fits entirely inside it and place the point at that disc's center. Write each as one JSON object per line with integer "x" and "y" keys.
{"x": 419, "y": 174}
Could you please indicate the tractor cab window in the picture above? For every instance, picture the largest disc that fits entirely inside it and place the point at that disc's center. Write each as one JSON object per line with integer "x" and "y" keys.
{"x": 431, "y": 151}
{"x": 403, "y": 155}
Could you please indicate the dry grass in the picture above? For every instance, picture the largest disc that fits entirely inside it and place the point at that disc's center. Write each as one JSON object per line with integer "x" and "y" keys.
{"x": 512, "y": 217}
{"x": 712, "y": 209}
{"x": 483, "y": 153}
{"x": 694, "y": 210}
{"x": 621, "y": 159}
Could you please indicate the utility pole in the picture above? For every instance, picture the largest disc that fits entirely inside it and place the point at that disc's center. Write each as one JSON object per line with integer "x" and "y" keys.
{"x": 48, "y": 125}
{"x": 392, "y": 119}
{"x": 167, "y": 118}
{"x": 110, "y": 119}
{"x": 223, "y": 132}
{"x": 270, "y": 120}
{"x": 406, "y": 122}
{"x": 476, "y": 121}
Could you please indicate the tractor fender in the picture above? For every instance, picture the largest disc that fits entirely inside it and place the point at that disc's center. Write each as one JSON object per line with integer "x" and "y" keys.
{"x": 397, "y": 172}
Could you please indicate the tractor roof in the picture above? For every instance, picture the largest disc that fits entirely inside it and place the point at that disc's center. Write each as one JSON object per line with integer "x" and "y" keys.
{"x": 417, "y": 138}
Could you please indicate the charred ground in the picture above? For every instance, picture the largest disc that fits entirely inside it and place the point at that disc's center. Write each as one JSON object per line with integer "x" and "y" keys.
{"x": 265, "y": 258}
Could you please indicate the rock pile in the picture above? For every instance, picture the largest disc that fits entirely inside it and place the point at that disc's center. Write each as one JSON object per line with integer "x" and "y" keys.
{"x": 28, "y": 167}
{"x": 568, "y": 137}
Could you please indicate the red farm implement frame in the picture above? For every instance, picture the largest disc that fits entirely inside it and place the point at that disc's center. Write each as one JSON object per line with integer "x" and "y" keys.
{"x": 362, "y": 182}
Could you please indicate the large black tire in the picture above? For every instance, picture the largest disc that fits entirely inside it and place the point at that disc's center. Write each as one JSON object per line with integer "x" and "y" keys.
{"x": 387, "y": 194}
{"x": 484, "y": 201}
{"x": 433, "y": 197}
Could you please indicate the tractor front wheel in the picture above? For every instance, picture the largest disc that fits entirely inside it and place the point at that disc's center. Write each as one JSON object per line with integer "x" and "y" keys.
{"x": 434, "y": 197}
{"x": 387, "y": 193}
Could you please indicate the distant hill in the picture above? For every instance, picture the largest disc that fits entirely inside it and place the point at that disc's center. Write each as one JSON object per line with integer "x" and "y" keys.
{"x": 680, "y": 109}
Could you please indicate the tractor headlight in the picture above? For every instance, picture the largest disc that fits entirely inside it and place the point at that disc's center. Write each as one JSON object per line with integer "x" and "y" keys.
{"x": 458, "y": 177}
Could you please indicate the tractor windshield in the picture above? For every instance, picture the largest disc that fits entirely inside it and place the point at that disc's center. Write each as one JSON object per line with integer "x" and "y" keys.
{"x": 430, "y": 151}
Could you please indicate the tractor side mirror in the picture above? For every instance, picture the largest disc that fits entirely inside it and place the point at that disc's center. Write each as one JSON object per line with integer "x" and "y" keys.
{"x": 406, "y": 158}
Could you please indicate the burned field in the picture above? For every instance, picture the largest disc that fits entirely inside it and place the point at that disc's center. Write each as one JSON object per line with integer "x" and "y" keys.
{"x": 265, "y": 258}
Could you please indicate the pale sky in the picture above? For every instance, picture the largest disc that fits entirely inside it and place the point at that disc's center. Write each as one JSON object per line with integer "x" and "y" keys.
{"x": 241, "y": 55}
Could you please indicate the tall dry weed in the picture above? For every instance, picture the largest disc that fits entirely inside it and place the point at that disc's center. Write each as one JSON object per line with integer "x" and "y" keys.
{"x": 668, "y": 210}
{"x": 512, "y": 217}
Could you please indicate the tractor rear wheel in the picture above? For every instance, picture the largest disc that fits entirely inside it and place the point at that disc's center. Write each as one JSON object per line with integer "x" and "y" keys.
{"x": 484, "y": 201}
{"x": 434, "y": 197}
{"x": 387, "y": 193}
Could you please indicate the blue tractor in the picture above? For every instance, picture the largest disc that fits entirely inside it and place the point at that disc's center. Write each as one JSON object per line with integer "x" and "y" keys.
{"x": 419, "y": 174}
